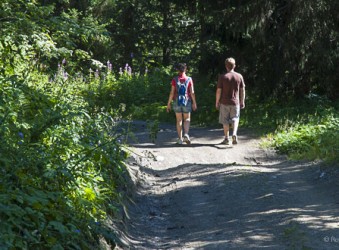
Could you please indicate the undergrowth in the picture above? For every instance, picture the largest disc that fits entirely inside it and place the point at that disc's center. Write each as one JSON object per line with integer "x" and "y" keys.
{"x": 62, "y": 163}
{"x": 306, "y": 129}
{"x": 316, "y": 139}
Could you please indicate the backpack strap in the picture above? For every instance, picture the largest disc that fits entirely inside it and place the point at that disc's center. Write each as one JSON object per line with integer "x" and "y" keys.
{"x": 178, "y": 83}
{"x": 186, "y": 82}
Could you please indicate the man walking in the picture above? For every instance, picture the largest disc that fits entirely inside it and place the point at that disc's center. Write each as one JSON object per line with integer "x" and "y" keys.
{"x": 230, "y": 98}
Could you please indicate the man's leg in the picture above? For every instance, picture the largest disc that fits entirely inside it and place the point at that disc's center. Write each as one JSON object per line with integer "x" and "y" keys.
{"x": 235, "y": 121}
{"x": 226, "y": 130}
{"x": 224, "y": 114}
{"x": 235, "y": 126}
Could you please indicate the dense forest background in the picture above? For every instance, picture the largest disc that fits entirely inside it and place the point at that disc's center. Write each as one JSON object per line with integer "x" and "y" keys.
{"x": 73, "y": 71}
{"x": 284, "y": 48}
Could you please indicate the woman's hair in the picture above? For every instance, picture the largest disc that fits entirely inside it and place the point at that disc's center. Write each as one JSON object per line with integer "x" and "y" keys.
{"x": 181, "y": 67}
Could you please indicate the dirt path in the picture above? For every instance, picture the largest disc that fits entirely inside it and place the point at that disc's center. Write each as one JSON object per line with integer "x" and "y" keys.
{"x": 211, "y": 196}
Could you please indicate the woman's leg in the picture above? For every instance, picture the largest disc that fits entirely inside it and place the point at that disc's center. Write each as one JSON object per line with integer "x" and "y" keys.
{"x": 179, "y": 124}
{"x": 187, "y": 120}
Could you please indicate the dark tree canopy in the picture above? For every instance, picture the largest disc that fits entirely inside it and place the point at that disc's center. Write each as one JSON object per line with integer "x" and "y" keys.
{"x": 284, "y": 48}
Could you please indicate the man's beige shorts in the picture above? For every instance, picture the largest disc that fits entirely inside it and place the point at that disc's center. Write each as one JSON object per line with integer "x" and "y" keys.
{"x": 228, "y": 113}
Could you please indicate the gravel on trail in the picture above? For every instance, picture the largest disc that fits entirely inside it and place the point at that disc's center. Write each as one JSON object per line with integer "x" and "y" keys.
{"x": 212, "y": 196}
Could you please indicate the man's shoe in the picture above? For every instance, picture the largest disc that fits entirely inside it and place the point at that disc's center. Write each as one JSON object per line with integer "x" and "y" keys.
{"x": 187, "y": 139}
{"x": 226, "y": 141}
{"x": 234, "y": 139}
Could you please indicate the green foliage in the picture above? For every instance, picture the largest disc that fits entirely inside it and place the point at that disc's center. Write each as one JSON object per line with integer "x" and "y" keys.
{"x": 153, "y": 128}
{"x": 145, "y": 97}
{"x": 62, "y": 164}
{"x": 206, "y": 114}
{"x": 272, "y": 50}
{"x": 317, "y": 139}
{"x": 290, "y": 41}
{"x": 61, "y": 156}
{"x": 306, "y": 130}
{"x": 133, "y": 91}
{"x": 154, "y": 111}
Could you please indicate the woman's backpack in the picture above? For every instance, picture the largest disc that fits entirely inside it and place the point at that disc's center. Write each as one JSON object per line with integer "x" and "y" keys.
{"x": 182, "y": 91}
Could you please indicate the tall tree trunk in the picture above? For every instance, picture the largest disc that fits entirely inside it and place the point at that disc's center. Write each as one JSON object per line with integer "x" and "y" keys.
{"x": 166, "y": 51}
{"x": 201, "y": 14}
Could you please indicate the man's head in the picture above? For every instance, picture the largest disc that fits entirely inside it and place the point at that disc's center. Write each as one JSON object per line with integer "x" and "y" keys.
{"x": 230, "y": 63}
{"x": 181, "y": 67}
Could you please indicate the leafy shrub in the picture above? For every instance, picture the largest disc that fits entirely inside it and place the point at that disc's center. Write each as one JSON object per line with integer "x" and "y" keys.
{"x": 310, "y": 141}
{"x": 145, "y": 97}
{"x": 62, "y": 164}
{"x": 306, "y": 130}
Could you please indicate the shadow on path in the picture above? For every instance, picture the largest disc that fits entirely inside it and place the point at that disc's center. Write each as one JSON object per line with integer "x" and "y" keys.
{"x": 235, "y": 207}
{"x": 239, "y": 198}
